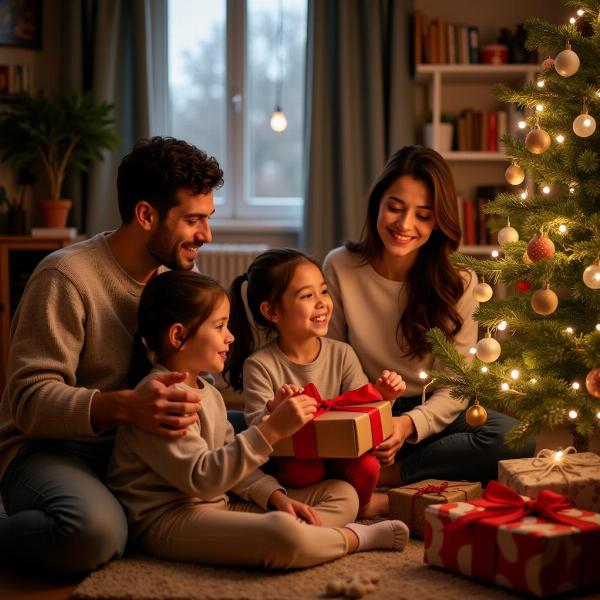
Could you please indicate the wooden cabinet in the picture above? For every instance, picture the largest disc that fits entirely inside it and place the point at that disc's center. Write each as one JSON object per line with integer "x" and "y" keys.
{"x": 19, "y": 255}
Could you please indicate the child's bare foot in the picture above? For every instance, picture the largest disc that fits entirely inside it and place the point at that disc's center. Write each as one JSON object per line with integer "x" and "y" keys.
{"x": 377, "y": 506}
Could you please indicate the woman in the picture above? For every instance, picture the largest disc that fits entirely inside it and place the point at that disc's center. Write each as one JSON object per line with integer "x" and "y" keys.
{"x": 389, "y": 290}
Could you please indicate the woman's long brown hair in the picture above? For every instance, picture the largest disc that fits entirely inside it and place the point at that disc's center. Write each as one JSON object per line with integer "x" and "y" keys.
{"x": 434, "y": 284}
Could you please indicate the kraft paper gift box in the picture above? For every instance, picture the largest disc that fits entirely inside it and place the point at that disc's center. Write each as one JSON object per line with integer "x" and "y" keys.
{"x": 541, "y": 547}
{"x": 344, "y": 427}
{"x": 575, "y": 475}
{"x": 408, "y": 503}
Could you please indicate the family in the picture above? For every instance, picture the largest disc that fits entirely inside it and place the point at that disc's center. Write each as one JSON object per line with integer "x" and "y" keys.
{"x": 111, "y": 432}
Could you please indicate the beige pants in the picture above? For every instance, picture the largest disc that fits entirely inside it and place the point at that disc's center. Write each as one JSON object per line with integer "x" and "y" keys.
{"x": 242, "y": 533}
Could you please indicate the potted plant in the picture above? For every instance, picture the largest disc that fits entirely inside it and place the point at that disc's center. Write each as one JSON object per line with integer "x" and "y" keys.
{"x": 57, "y": 133}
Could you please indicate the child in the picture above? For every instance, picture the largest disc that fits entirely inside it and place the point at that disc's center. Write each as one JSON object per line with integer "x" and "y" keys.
{"x": 201, "y": 496}
{"x": 287, "y": 292}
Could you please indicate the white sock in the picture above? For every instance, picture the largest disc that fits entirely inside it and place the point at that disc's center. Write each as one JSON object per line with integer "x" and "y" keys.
{"x": 385, "y": 535}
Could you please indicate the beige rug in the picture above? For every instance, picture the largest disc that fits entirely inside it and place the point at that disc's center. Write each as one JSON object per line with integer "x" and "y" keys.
{"x": 404, "y": 576}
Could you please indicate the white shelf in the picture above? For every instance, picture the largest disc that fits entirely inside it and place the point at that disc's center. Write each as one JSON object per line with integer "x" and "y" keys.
{"x": 476, "y": 73}
{"x": 475, "y": 156}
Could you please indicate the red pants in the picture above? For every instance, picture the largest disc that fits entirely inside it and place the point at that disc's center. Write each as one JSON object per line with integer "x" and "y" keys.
{"x": 362, "y": 472}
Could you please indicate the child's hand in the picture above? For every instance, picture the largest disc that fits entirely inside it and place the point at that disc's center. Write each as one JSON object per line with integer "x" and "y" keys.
{"x": 285, "y": 391}
{"x": 390, "y": 385}
{"x": 289, "y": 416}
{"x": 298, "y": 509}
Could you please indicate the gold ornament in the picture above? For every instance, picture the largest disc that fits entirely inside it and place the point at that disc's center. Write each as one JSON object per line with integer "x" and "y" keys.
{"x": 514, "y": 174}
{"x": 540, "y": 247}
{"x": 488, "y": 349}
{"x": 537, "y": 141}
{"x": 482, "y": 292}
{"x": 591, "y": 277}
{"x": 584, "y": 125}
{"x": 544, "y": 302}
{"x": 476, "y": 415}
{"x": 566, "y": 62}
{"x": 592, "y": 383}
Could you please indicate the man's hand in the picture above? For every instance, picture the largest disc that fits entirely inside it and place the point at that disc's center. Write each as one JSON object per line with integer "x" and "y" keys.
{"x": 386, "y": 451}
{"x": 279, "y": 501}
{"x": 390, "y": 385}
{"x": 287, "y": 390}
{"x": 153, "y": 406}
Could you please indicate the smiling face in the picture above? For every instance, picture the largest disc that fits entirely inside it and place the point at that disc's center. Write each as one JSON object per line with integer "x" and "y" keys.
{"x": 405, "y": 219}
{"x": 177, "y": 238}
{"x": 206, "y": 349}
{"x": 305, "y": 308}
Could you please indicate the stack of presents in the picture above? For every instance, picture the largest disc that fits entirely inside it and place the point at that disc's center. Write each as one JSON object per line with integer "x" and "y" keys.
{"x": 535, "y": 530}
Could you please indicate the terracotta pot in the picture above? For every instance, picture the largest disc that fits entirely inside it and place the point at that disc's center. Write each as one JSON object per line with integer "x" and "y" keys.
{"x": 54, "y": 213}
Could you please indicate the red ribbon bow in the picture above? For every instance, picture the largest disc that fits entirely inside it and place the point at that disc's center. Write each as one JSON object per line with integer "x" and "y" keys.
{"x": 304, "y": 441}
{"x": 503, "y": 505}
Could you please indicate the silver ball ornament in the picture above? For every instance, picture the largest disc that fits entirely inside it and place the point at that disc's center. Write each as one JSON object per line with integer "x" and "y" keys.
{"x": 566, "y": 63}
{"x": 488, "y": 350}
{"x": 514, "y": 174}
{"x": 508, "y": 235}
{"x": 584, "y": 125}
{"x": 482, "y": 292}
{"x": 591, "y": 277}
{"x": 537, "y": 141}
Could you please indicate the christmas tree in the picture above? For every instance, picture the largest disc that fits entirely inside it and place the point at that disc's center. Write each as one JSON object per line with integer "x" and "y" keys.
{"x": 539, "y": 358}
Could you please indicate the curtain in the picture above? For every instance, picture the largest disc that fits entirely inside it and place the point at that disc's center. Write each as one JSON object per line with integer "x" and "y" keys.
{"x": 116, "y": 50}
{"x": 359, "y": 109}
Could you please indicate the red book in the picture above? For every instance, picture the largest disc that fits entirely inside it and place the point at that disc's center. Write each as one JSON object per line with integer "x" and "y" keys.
{"x": 492, "y": 131}
{"x": 469, "y": 237}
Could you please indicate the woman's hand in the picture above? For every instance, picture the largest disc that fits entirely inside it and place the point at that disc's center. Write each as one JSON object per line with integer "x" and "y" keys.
{"x": 279, "y": 501}
{"x": 386, "y": 451}
{"x": 287, "y": 390}
{"x": 390, "y": 385}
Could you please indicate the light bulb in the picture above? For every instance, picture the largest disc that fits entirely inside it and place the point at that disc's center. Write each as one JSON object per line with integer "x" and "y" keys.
{"x": 562, "y": 228}
{"x": 484, "y": 369}
{"x": 539, "y": 107}
{"x": 580, "y": 12}
{"x": 569, "y": 330}
{"x": 504, "y": 386}
{"x": 571, "y": 190}
{"x": 533, "y": 381}
{"x": 560, "y": 138}
{"x": 546, "y": 189}
{"x": 473, "y": 350}
{"x": 558, "y": 455}
{"x": 573, "y": 414}
{"x": 515, "y": 374}
{"x": 495, "y": 254}
{"x": 524, "y": 195}
{"x": 541, "y": 83}
{"x": 598, "y": 414}
{"x": 502, "y": 325}
{"x": 597, "y": 326}
{"x": 278, "y": 120}
{"x": 575, "y": 385}
{"x": 584, "y": 125}
{"x": 572, "y": 20}
{"x": 422, "y": 375}
{"x": 522, "y": 124}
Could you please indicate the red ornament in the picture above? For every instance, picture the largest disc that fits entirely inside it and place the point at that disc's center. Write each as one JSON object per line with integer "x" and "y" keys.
{"x": 548, "y": 63}
{"x": 540, "y": 247}
{"x": 592, "y": 382}
{"x": 523, "y": 285}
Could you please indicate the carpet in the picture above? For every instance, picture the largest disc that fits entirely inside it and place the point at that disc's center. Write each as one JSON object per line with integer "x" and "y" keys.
{"x": 404, "y": 576}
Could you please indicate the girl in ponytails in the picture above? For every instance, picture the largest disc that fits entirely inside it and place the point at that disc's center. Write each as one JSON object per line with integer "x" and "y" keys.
{"x": 201, "y": 496}
{"x": 287, "y": 294}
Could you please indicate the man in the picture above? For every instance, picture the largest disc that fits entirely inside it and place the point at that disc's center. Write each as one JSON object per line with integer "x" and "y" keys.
{"x": 69, "y": 362}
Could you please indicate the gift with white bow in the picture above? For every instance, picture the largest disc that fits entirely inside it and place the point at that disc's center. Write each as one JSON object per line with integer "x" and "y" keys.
{"x": 567, "y": 472}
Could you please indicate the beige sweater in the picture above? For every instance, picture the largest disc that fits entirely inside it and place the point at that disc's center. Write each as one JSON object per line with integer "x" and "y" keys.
{"x": 150, "y": 474}
{"x": 71, "y": 335}
{"x": 335, "y": 370}
{"x": 367, "y": 308}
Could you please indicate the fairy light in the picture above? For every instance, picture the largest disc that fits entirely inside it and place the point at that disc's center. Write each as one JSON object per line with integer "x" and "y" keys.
{"x": 484, "y": 369}
{"x": 571, "y": 190}
{"x": 580, "y": 12}
{"x": 569, "y": 329}
{"x": 533, "y": 381}
{"x": 524, "y": 195}
{"x": 472, "y": 350}
{"x": 573, "y": 414}
{"x": 515, "y": 374}
{"x": 539, "y": 107}
{"x": 546, "y": 189}
{"x": 598, "y": 415}
{"x": 541, "y": 83}
{"x": 522, "y": 124}
{"x": 504, "y": 386}
{"x": 495, "y": 254}
{"x": 597, "y": 326}
{"x": 558, "y": 455}
{"x": 572, "y": 20}
{"x": 423, "y": 375}
{"x": 562, "y": 228}
{"x": 575, "y": 385}
{"x": 560, "y": 138}
{"x": 502, "y": 325}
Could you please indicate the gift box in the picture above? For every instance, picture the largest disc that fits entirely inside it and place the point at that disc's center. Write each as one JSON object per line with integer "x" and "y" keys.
{"x": 541, "y": 547}
{"x": 575, "y": 475}
{"x": 343, "y": 427}
{"x": 408, "y": 503}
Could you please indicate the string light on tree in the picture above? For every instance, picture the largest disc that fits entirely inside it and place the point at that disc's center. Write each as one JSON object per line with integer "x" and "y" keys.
{"x": 541, "y": 83}
{"x": 504, "y": 386}
{"x": 546, "y": 189}
{"x": 515, "y": 374}
{"x": 573, "y": 414}
{"x": 566, "y": 62}
{"x": 560, "y": 138}
{"x": 562, "y": 228}
{"x": 591, "y": 276}
{"x": 537, "y": 140}
{"x": 482, "y": 292}
{"x": 521, "y": 124}
{"x": 544, "y": 302}
{"x": 508, "y": 234}
{"x": 575, "y": 385}
{"x": 502, "y": 325}
{"x": 539, "y": 107}
{"x": 514, "y": 174}
{"x": 488, "y": 349}
{"x": 524, "y": 195}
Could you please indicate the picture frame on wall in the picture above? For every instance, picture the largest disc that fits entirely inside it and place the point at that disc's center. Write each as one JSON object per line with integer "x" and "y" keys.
{"x": 21, "y": 23}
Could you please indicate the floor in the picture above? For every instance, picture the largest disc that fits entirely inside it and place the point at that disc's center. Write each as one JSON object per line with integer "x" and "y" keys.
{"x": 29, "y": 586}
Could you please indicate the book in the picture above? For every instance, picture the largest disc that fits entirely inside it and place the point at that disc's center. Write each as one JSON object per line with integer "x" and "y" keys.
{"x": 492, "y": 131}
{"x": 54, "y": 232}
{"x": 468, "y": 222}
{"x": 473, "y": 44}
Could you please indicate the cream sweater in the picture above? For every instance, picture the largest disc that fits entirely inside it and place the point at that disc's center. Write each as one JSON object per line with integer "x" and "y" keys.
{"x": 151, "y": 475}
{"x": 367, "y": 308}
{"x": 71, "y": 336}
{"x": 335, "y": 370}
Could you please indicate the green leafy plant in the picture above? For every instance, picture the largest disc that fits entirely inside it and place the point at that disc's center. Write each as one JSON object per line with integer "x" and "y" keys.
{"x": 57, "y": 133}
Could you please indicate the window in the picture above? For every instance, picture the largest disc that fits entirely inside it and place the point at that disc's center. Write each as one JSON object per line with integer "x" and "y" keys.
{"x": 226, "y": 60}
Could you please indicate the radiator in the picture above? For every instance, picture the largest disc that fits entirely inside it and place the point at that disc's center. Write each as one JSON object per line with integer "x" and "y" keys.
{"x": 225, "y": 262}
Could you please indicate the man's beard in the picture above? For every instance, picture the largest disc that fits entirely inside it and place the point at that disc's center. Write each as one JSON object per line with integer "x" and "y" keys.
{"x": 165, "y": 252}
